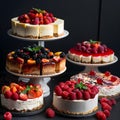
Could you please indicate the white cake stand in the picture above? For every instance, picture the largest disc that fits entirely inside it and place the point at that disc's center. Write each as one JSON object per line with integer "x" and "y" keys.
{"x": 89, "y": 66}
{"x": 38, "y": 79}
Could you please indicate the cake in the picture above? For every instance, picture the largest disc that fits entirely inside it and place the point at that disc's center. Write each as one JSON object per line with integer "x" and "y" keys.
{"x": 22, "y": 97}
{"x": 74, "y": 97}
{"x": 91, "y": 52}
{"x": 35, "y": 60}
{"x": 37, "y": 24}
{"x": 108, "y": 84}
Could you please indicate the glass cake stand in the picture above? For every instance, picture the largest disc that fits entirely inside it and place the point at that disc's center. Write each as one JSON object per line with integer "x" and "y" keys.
{"x": 39, "y": 79}
{"x": 89, "y": 66}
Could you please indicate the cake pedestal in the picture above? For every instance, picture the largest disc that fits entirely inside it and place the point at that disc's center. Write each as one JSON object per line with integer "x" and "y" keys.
{"x": 38, "y": 79}
{"x": 89, "y": 66}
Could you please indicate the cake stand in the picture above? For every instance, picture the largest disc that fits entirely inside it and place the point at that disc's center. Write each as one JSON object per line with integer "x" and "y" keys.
{"x": 89, "y": 66}
{"x": 38, "y": 79}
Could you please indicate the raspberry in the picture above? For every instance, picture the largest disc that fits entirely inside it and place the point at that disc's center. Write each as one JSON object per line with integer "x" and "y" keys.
{"x": 107, "y": 73}
{"x": 106, "y": 106}
{"x": 72, "y": 96}
{"x": 79, "y": 95}
{"x": 113, "y": 78}
{"x": 101, "y": 115}
{"x": 104, "y": 99}
{"x": 65, "y": 87}
{"x": 107, "y": 113}
{"x": 50, "y": 113}
{"x": 58, "y": 90}
{"x": 99, "y": 81}
{"x": 8, "y": 94}
{"x": 7, "y": 116}
{"x": 61, "y": 84}
{"x": 92, "y": 94}
{"x": 86, "y": 95}
{"x": 65, "y": 94}
{"x": 113, "y": 101}
{"x": 92, "y": 73}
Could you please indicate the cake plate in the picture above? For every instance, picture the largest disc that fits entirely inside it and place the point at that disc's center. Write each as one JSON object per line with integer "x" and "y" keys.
{"x": 89, "y": 66}
{"x": 40, "y": 79}
{"x": 37, "y": 79}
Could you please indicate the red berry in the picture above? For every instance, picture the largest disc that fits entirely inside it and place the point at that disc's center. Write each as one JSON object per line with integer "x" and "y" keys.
{"x": 79, "y": 95}
{"x": 72, "y": 96}
{"x": 58, "y": 90}
{"x": 113, "y": 101}
{"x": 65, "y": 94}
{"x": 100, "y": 115}
{"x": 23, "y": 97}
{"x": 106, "y": 106}
{"x": 107, "y": 73}
{"x": 50, "y": 113}
{"x": 92, "y": 72}
{"x": 92, "y": 94}
{"x": 107, "y": 113}
{"x": 7, "y": 116}
{"x": 61, "y": 84}
{"x": 8, "y": 94}
{"x": 99, "y": 81}
{"x": 86, "y": 95}
{"x": 65, "y": 87}
{"x": 113, "y": 78}
{"x": 104, "y": 99}
{"x": 15, "y": 96}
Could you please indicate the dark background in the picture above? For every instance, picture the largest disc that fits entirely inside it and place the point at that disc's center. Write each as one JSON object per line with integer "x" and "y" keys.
{"x": 84, "y": 19}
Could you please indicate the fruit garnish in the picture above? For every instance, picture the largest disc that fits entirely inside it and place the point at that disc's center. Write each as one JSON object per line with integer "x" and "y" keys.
{"x": 92, "y": 72}
{"x": 113, "y": 78}
{"x": 81, "y": 86}
{"x": 99, "y": 81}
{"x": 7, "y": 116}
{"x": 50, "y": 113}
{"x": 58, "y": 53}
{"x": 107, "y": 73}
{"x": 30, "y": 61}
{"x": 23, "y": 96}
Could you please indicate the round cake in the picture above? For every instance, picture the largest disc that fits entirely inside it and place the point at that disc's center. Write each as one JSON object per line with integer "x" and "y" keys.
{"x": 37, "y": 23}
{"x": 22, "y": 97}
{"x": 108, "y": 84}
{"x": 75, "y": 97}
{"x": 35, "y": 60}
{"x": 91, "y": 52}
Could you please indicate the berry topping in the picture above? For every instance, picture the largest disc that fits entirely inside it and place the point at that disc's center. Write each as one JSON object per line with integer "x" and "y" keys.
{"x": 101, "y": 115}
{"x": 75, "y": 90}
{"x": 37, "y": 16}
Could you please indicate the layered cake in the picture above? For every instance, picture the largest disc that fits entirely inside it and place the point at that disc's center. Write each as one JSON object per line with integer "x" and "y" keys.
{"x": 108, "y": 84}
{"x": 22, "y": 97}
{"x": 75, "y": 97}
{"x": 35, "y": 60}
{"x": 37, "y": 23}
{"x": 91, "y": 52}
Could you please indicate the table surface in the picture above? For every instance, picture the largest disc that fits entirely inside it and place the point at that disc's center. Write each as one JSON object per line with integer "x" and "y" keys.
{"x": 7, "y": 78}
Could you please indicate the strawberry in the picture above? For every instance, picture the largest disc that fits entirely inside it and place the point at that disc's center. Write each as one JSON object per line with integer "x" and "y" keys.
{"x": 31, "y": 94}
{"x": 23, "y": 96}
{"x": 72, "y": 96}
{"x": 8, "y": 94}
{"x": 107, "y": 113}
{"x": 50, "y": 113}
{"x": 100, "y": 115}
{"x": 58, "y": 90}
{"x": 86, "y": 95}
{"x": 7, "y": 116}
{"x": 15, "y": 96}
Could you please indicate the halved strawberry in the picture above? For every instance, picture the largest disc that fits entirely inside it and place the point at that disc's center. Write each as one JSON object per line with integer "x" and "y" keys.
{"x": 23, "y": 96}
{"x": 31, "y": 94}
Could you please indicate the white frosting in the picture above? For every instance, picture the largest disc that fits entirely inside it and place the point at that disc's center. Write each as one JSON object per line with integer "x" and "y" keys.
{"x": 29, "y": 30}
{"x": 108, "y": 88}
{"x": 75, "y": 106}
{"x": 106, "y": 58}
{"x": 20, "y": 105}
